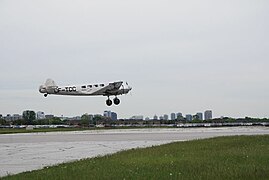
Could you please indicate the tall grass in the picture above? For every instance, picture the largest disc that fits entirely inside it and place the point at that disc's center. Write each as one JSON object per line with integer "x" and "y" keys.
{"x": 236, "y": 157}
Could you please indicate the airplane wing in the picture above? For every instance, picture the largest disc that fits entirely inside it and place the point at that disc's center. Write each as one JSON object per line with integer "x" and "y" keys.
{"x": 110, "y": 89}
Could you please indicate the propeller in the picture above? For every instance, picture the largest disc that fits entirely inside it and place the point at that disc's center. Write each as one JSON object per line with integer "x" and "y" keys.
{"x": 128, "y": 88}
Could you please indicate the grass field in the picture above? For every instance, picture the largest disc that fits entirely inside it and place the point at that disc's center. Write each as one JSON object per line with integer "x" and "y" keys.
{"x": 236, "y": 157}
{"x": 12, "y": 131}
{"x": 23, "y": 130}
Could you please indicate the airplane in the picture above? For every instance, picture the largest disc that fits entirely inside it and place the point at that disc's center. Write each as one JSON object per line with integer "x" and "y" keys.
{"x": 96, "y": 89}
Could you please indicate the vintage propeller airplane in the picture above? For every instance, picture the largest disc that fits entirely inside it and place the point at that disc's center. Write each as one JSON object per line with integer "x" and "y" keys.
{"x": 97, "y": 89}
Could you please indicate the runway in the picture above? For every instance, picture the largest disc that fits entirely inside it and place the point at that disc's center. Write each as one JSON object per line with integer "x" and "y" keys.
{"x": 26, "y": 152}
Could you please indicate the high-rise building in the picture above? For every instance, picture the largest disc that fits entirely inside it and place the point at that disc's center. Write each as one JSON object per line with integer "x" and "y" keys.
{"x": 208, "y": 114}
{"x": 199, "y": 116}
{"x": 173, "y": 116}
{"x": 111, "y": 115}
{"x": 114, "y": 116}
{"x": 188, "y": 117}
{"x": 165, "y": 117}
{"x": 107, "y": 114}
{"x": 179, "y": 116}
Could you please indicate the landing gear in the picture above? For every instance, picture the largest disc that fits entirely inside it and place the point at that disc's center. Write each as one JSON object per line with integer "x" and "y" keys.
{"x": 45, "y": 95}
{"x": 108, "y": 102}
{"x": 116, "y": 101}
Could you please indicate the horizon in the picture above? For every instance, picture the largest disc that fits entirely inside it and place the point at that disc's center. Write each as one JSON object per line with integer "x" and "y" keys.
{"x": 144, "y": 117}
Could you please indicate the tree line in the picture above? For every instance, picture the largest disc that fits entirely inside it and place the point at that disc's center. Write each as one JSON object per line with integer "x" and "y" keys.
{"x": 29, "y": 118}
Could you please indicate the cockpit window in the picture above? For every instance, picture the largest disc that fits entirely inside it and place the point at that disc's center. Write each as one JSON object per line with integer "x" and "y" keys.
{"x": 83, "y": 86}
{"x": 102, "y": 85}
{"x": 90, "y": 86}
{"x": 96, "y": 85}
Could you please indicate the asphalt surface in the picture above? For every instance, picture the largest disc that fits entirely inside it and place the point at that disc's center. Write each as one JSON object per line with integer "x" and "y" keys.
{"x": 30, "y": 151}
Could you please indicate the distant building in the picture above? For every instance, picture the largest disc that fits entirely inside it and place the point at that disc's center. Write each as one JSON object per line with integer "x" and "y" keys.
{"x": 1, "y": 116}
{"x": 188, "y": 117}
{"x": 78, "y": 118}
{"x": 147, "y": 119}
{"x": 111, "y": 115}
{"x": 137, "y": 117}
{"x": 8, "y": 117}
{"x": 107, "y": 114}
{"x": 199, "y": 116}
{"x": 90, "y": 117}
{"x": 16, "y": 117}
{"x": 40, "y": 115}
{"x": 155, "y": 117}
{"x": 49, "y": 116}
{"x": 165, "y": 117}
{"x": 179, "y": 116}
{"x": 208, "y": 114}
{"x": 173, "y": 116}
{"x": 114, "y": 116}
{"x": 161, "y": 118}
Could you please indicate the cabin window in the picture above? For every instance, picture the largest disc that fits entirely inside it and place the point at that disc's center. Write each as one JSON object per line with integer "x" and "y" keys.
{"x": 83, "y": 86}
{"x": 96, "y": 85}
{"x": 102, "y": 85}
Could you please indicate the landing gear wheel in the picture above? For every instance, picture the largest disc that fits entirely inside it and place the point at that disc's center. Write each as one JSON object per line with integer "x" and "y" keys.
{"x": 108, "y": 102}
{"x": 116, "y": 101}
{"x": 45, "y": 95}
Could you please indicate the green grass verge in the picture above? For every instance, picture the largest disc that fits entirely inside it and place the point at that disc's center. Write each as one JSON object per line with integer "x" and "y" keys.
{"x": 14, "y": 131}
{"x": 23, "y": 130}
{"x": 236, "y": 157}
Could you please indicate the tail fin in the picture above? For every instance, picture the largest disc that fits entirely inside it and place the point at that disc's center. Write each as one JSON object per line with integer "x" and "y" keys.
{"x": 48, "y": 88}
{"x": 50, "y": 82}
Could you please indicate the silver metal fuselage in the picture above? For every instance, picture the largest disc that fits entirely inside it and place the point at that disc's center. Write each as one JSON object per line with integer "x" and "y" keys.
{"x": 102, "y": 89}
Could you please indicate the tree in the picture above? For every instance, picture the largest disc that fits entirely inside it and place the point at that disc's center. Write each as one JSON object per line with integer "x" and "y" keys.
{"x": 3, "y": 122}
{"x": 85, "y": 120}
{"x": 29, "y": 116}
{"x": 195, "y": 117}
{"x": 19, "y": 122}
{"x": 55, "y": 121}
{"x": 196, "y": 121}
{"x": 97, "y": 118}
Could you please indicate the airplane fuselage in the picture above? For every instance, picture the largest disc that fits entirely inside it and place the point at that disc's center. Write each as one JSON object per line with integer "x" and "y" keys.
{"x": 96, "y": 89}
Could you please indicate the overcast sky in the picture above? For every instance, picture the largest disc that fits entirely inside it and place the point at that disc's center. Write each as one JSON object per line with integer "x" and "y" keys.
{"x": 179, "y": 56}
